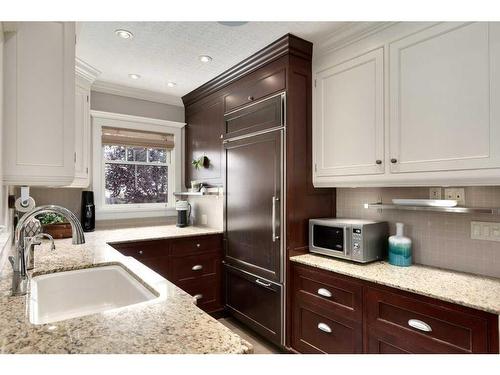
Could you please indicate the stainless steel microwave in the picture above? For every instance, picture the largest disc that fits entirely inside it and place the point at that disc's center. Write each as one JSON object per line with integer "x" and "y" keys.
{"x": 357, "y": 240}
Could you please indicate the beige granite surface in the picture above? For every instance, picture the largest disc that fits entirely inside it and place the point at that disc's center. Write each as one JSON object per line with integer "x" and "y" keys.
{"x": 478, "y": 292}
{"x": 171, "y": 323}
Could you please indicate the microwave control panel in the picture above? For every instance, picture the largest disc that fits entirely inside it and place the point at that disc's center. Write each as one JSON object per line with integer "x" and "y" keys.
{"x": 357, "y": 241}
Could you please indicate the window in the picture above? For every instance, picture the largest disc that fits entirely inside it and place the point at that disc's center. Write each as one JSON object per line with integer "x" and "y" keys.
{"x": 136, "y": 165}
{"x": 135, "y": 175}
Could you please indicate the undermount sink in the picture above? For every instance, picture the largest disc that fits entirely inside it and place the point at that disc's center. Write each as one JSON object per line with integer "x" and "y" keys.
{"x": 70, "y": 294}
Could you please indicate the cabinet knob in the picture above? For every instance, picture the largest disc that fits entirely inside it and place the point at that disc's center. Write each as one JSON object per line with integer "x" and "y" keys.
{"x": 141, "y": 252}
{"x": 198, "y": 245}
{"x": 394, "y": 161}
{"x": 197, "y": 267}
{"x": 378, "y": 161}
{"x": 250, "y": 98}
{"x": 324, "y": 327}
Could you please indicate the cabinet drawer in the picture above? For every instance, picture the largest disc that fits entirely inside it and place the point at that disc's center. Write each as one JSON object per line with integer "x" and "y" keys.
{"x": 421, "y": 327}
{"x": 317, "y": 332}
{"x": 206, "y": 290}
{"x": 143, "y": 249}
{"x": 255, "y": 90}
{"x": 194, "y": 245}
{"x": 195, "y": 266}
{"x": 256, "y": 302}
{"x": 339, "y": 294}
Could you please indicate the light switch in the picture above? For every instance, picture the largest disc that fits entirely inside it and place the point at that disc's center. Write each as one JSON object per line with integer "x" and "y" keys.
{"x": 483, "y": 230}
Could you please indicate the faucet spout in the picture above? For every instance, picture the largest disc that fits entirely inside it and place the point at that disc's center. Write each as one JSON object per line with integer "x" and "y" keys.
{"x": 19, "y": 262}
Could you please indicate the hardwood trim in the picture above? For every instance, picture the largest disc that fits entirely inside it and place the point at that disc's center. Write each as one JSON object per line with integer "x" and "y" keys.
{"x": 288, "y": 44}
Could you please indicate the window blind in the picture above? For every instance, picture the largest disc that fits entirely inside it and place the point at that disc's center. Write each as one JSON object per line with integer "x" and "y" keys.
{"x": 129, "y": 137}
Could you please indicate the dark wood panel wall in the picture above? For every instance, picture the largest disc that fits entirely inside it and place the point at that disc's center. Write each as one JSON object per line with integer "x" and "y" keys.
{"x": 205, "y": 107}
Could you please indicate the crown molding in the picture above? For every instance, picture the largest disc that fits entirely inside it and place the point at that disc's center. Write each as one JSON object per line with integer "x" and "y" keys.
{"x": 348, "y": 34}
{"x": 131, "y": 118}
{"x": 288, "y": 44}
{"x": 86, "y": 71}
{"x": 133, "y": 92}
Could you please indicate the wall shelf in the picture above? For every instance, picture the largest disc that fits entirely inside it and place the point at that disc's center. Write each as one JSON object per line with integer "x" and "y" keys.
{"x": 456, "y": 209}
{"x": 195, "y": 194}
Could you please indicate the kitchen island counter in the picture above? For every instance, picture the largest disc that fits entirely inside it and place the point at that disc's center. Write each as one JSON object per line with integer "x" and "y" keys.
{"x": 169, "y": 324}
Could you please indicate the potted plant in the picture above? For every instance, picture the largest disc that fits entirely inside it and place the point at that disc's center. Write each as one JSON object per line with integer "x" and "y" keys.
{"x": 201, "y": 162}
{"x": 55, "y": 225}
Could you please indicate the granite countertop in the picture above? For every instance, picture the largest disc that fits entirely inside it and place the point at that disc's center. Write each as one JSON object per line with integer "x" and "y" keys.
{"x": 478, "y": 292}
{"x": 169, "y": 324}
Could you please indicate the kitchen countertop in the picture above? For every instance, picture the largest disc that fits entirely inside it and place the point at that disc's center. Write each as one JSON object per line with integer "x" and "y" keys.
{"x": 169, "y": 324}
{"x": 478, "y": 292}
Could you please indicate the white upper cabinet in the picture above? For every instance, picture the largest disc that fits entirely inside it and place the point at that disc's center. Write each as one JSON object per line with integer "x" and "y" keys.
{"x": 442, "y": 105}
{"x": 39, "y": 66}
{"x": 349, "y": 117}
{"x": 421, "y": 98}
{"x": 85, "y": 76}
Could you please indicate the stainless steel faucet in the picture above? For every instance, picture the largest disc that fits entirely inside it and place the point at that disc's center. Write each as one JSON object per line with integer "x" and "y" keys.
{"x": 23, "y": 244}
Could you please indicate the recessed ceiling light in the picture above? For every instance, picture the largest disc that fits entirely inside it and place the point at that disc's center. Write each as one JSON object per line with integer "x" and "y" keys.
{"x": 232, "y": 23}
{"x": 125, "y": 34}
{"x": 134, "y": 76}
{"x": 171, "y": 84}
{"x": 205, "y": 58}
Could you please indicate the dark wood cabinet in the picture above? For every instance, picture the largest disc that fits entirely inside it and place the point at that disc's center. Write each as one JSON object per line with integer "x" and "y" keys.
{"x": 364, "y": 317}
{"x": 254, "y": 301}
{"x": 416, "y": 324}
{"x": 191, "y": 263}
{"x": 205, "y": 126}
{"x": 260, "y": 84}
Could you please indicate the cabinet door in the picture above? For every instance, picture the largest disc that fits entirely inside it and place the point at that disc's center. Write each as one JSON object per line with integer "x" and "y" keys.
{"x": 82, "y": 136}
{"x": 444, "y": 99}
{"x": 349, "y": 117}
{"x": 39, "y": 69}
{"x": 204, "y": 128}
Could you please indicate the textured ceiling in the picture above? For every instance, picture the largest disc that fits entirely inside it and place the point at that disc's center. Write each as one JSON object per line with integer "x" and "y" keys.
{"x": 168, "y": 51}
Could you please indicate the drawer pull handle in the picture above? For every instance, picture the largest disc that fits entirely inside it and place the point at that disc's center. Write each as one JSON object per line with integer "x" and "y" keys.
{"x": 197, "y": 267}
{"x": 198, "y": 296}
{"x": 324, "y": 327}
{"x": 418, "y": 324}
{"x": 141, "y": 252}
{"x": 324, "y": 292}
{"x": 260, "y": 282}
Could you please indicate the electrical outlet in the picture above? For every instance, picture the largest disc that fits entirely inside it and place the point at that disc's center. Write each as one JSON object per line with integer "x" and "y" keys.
{"x": 435, "y": 193}
{"x": 481, "y": 230}
{"x": 457, "y": 194}
{"x": 204, "y": 219}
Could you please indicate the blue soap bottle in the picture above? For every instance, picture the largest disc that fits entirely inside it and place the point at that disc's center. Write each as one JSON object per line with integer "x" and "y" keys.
{"x": 400, "y": 253}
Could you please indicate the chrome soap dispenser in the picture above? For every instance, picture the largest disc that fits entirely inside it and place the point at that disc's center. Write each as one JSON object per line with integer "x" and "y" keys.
{"x": 400, "y": 252}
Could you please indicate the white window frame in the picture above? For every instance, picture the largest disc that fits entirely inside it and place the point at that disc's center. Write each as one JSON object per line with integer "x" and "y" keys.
{"x": 104, "y": 211}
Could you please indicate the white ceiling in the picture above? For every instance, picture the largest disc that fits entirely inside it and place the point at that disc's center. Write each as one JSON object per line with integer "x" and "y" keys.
{"x": 168, "y": 51}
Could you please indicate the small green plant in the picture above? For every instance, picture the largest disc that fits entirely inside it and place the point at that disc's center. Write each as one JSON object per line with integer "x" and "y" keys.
{"x": 201, "y": 162}
{"x": 50, "y": 218}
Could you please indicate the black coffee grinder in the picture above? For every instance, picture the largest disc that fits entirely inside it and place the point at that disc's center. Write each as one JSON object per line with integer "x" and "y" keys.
{"x": 88, "y": 211}
{"x": 183, "y": 209}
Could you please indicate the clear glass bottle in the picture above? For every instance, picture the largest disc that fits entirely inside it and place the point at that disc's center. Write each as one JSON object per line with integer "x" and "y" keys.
{"x": 400, "y": 252}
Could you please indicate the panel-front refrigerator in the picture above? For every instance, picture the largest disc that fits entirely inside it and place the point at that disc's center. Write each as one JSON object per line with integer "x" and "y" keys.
{"x": 253, "y": 209}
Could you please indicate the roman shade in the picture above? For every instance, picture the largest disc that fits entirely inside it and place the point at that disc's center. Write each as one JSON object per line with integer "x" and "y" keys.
{"x": 129, "y": 137}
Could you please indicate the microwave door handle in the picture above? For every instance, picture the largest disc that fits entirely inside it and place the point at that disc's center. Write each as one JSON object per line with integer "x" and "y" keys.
{"x": 347, "y": 243}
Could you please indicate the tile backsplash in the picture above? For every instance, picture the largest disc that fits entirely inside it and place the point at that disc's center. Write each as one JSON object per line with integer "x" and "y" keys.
{"x": 439, "y": 239}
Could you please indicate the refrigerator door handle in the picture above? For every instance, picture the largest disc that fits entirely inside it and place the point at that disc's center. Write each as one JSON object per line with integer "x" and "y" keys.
{"x": 275, "y": 237}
